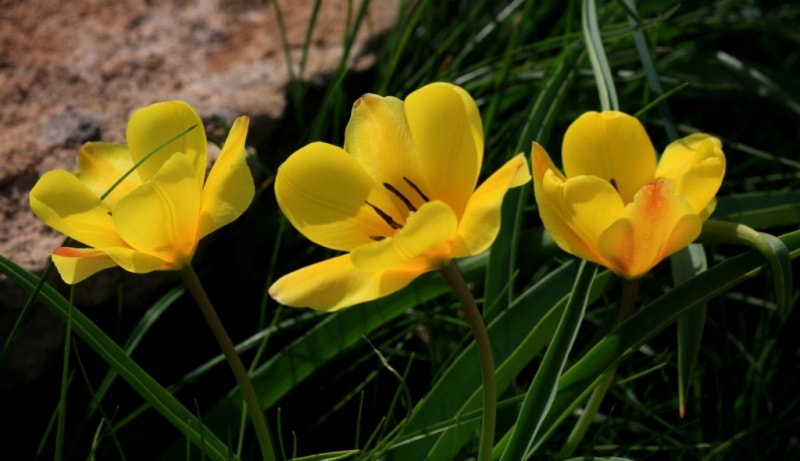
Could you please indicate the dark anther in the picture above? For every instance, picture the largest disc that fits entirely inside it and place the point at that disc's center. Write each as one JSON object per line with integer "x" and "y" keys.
{"x": 377, "y": 238}
{"x": 414, "y": 186}
{"x": 400, "y": 195}
{"x": 385, "y": 216}
{"x": 614, "y": 183}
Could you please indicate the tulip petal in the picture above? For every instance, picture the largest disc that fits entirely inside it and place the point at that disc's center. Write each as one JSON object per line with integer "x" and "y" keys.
{"x": 575, "y": 211}
{"x": 67, "y": 205}
{"x": 378, "y": 137}
{"x": 101, "y": 166}
{"x": 427, "y": 234}
{"x": 323, "y": 192}
{"x": 657, "y": 224}
{"x": 150, "y": 127}
{"x": 160, "y": 217}
{"x": 335, "y": 284}
{"x": 229, "y": 188}
{"x": 610, "y": 145}
{"x": 76, "y": 264}
{"x": 696, "y": 164}
{"x": 446, "y": 127}
{"x": 481, "y": 221}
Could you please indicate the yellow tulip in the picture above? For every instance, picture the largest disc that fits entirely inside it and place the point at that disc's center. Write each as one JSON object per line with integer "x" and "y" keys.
{"x": 399, "y": 198}
{"x": 614, "y": 205}
{"x": 154, "y": 218}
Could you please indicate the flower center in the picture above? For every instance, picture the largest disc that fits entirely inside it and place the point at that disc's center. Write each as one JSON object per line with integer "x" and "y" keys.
{"x": 403, "y": 198}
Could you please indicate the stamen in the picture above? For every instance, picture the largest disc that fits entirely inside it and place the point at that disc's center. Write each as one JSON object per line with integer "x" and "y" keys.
{"x": 377, "y": 238}
{"x": 414, "y": 186}
{"x": 614, "y": 183}
{"x": 385, "y": 216}
{"x": 400, "y": 195}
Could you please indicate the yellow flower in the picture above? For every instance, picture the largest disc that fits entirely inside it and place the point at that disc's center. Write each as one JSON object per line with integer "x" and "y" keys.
{"x": 615, "y": 206}
{"x": 153, "y": 219}
{"x": 400, "y": 197}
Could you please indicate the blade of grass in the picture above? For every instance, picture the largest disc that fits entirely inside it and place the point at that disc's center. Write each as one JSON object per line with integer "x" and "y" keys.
{"x": 161, "y": 400}
{"x": 543, "y": 389}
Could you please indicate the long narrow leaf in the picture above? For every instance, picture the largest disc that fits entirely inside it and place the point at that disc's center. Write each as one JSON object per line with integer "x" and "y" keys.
{"x": 542, "y": 391}
{"x": 619, "y": 344}
{"x": 147, "y": 387}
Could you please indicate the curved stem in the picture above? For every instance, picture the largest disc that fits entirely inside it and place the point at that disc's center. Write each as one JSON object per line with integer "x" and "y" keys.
{"x": 629, "y": 289}
{"x": 456, "y": 281}
{"x": 194, "y": 286}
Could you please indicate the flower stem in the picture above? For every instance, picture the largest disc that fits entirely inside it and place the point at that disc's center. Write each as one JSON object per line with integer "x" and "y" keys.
{"x": 629, "y": 289}
{"x": 192, "y": 282}
{"x": 453, "y": 277}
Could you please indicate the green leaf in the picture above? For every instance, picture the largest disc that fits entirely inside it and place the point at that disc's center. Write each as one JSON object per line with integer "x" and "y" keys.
{"x": 579, "y": 380}
{"x": 447, "y": 419}
{"x": 686, "y": 264}
{"x": 542, "y": 391}
{"x": 503, "y": 256}
{"x": 770, "y": 247}
{"x": 150, "y": 390}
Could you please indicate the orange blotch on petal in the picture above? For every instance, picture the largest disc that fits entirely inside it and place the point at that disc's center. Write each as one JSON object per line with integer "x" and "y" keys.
{"x": 68, "y": 252}
{"x": 655, "y": 225}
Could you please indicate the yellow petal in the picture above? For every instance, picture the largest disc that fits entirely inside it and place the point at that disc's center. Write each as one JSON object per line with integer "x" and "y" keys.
{"x": 657, "y": 224}
{"x": 67, "y": 205}
{"x": 697, "y": 165}
{"x": 229, "y": 189}
{"x": 378, "y": 137}
{"x": 150, "y": 127}
{"x": 101, "y": 166}
{"x": 550, "y": 206}
{"x": 447, "y": 130}
{"x": 160, "y": 217}
{"x": 576, "y": 211}
{"x": 612, "y": 146}
{"x": 76, "y": 264}
{"x": 427, "y": 235}
{"x": 481, "y": 221}
{"x": 323, "y": 191}
{"x": 335, "y": 284}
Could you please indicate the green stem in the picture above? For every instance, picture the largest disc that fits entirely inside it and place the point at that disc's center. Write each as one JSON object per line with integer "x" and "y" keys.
{"x": 629, "y": 289}
{"x": 237, "y": 367}
{"x": 453, "y": 277}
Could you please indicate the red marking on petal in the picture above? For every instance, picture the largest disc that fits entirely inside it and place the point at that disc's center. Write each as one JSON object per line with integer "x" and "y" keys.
{"x": 76, "y": 253}
{"x": 654, "y": 195}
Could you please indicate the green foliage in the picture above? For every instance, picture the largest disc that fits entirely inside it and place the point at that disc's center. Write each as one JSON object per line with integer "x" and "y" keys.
{"x": 398, "y": 378}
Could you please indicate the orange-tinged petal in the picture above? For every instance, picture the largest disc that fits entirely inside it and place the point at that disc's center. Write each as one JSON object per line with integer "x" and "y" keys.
{"x": 335, "y": 284}
{"x": 446, "y": 127}
{"x": 481, "y": 221}
{"x": 67, "y": 205}
{"x": 150, "y": 127}
{"x": 323, "y": 192}
{"x": 76, "y": 264}
{"x": 378, "y": 137}
{"x": 229, "y": 188}
{"x": 613, "y": 146}
{"x": 160, "y": 217}
{"x": 427, "y": 233}
{"x": 103, "y": 165}
{"x": 697, "y": 165}
{"x": 657, "y": 224}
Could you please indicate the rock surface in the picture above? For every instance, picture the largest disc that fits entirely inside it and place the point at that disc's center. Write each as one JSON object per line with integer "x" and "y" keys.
{"x": 73, "y": 72}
